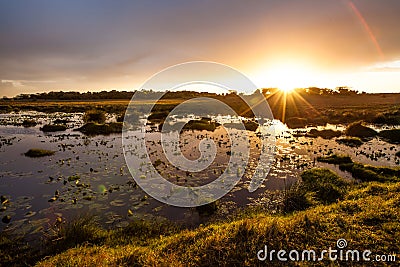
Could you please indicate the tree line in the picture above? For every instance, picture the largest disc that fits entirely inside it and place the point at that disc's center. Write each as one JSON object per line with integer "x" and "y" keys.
{"x": 147, "y": 94}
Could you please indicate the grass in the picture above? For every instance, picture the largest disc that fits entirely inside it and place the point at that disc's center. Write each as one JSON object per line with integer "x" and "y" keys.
{"x": 391, "y": 136}
{"x": 367, "y": 218}
{"x": 324, "y": 185}
{"x": 336, "y": 159}
{"x": 37, "y": 153}
{"x": 100, "y": 129}
{"x": 357, "y": 129}
{"x": 29, "y": 123}
{"x": 326, "y": 134}
{"x": 350, "y": 141}
{"x": 53, "y": 128}
{"x": 94, "y": 115}
{"x": 251, "y": 125}
{"x": 363, "y": 172}
{"x": 202, "y": 124}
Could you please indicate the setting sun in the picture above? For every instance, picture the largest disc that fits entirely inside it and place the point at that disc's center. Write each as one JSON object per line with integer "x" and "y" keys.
{"x": 288, "y": 76}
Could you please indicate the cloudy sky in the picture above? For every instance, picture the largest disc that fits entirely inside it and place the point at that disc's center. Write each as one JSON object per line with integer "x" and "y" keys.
{"x": 102, "y": 45}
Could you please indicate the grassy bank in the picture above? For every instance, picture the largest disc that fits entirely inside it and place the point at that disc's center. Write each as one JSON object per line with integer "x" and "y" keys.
{"x": 368, "y": 218}
{"x": 366, "y": 214}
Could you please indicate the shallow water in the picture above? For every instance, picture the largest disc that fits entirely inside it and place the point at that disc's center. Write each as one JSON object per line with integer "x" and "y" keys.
{"x": 40, "y": 190}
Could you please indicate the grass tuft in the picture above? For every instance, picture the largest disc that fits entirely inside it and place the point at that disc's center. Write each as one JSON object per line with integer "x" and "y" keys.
{"x": 94, "y": 115}
{"x": 36, "y": 153}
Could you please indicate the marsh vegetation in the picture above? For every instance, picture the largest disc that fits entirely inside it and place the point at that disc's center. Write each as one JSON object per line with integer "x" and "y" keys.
{"x": 83, "y": 207}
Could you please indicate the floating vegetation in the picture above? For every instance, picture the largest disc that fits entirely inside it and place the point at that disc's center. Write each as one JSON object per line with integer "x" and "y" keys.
{"x": 101, "y": 129}
{"x": 350, "y": 141}
{"x": 53, "y": 128}
{"x": 37, "y": 152}
{"x": 356, "y": 129}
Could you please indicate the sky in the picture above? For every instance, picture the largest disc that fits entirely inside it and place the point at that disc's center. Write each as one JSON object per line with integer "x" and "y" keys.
{"x": 76, "y": 45}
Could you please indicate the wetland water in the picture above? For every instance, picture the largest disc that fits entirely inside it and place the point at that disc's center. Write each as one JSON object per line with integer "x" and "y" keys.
{"x": 88, "y": 174}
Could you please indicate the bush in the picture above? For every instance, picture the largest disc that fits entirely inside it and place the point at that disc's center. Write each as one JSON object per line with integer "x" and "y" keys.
{"x": 94, "y": 115}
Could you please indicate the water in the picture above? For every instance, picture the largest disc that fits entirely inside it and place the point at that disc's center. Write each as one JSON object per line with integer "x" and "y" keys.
{"x": 106, "y": 188}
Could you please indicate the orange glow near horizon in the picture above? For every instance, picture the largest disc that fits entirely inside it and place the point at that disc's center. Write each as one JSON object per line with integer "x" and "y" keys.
{"x": 288, "y": 75}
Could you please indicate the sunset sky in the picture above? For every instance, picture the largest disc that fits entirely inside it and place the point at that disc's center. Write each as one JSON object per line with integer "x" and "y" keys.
{"x": 104, "y": 45}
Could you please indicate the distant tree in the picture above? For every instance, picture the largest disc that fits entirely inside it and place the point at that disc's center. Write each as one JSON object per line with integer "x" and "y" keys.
{"x": 345, "y": 90}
